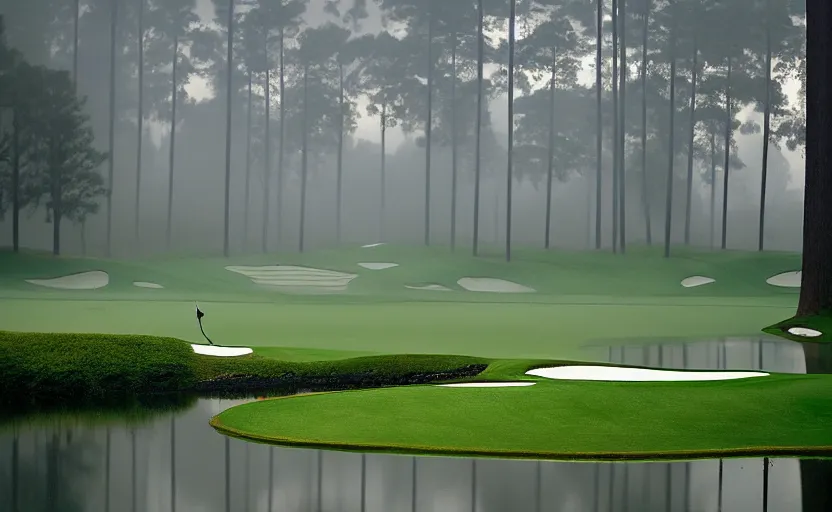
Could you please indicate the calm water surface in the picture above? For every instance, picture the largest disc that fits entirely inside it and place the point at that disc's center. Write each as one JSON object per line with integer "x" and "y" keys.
{"x": 177, "y": 462}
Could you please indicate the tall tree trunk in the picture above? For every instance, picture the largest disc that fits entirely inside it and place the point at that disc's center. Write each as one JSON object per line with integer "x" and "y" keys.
{"x": 766, "y": 130}
{"x": 599, "y": 121}
{"x": 551, "y": 155}
{"x": 645, "y": 196}
{"x": 622, "y": 131}
{"x": 692, "y": 134}
{"x": 16, "y": 180}
{"x": 76, "y": 15}
{"x": 453, "y": 139}
{"x": 713, "y": 185}
{"x": 381, "y": 211}
{"x": 83, "y": 238}
{"x": 509, "y": 174}
{"x": 339, "y": 171}
{"x": 281, "y": 135}
{"x": 267, "y": 162}
{"x": 478, "y": 135}
{"x": 304, "y": 156}
{"x": 172, "y": 148}
{"x": 668, "y": 215}
{"x": 226, "y": 242}
{"x": 615, "y": 126}
{"x": 816, "y": 285}
{"x": 428, "y": 123}
{"x": 728, "y": 130}
{"x": 248, "y": 163}
{"x": 140, "y": 120}
{"x": 112, "y": 131}
{"x": 57, "y": 207}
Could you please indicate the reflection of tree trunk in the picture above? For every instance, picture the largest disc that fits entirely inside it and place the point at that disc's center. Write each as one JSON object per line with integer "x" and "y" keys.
{"x": 413, "y": 474}
{"x": 173, "y": 464}
{"x": 478, "y": 135}
{"x": 597, "y": 486}
{"x": 227, "y": 475}
{"x": 247, "y": 478}
{"x": 107, "y": 472}
{"x": 52, "y": 473}
{"x": 538, "y": 487}
{"x": 815, "y": 475}
{"x": 271, "y": 479}
{"x": 15, "y": 471}
{"x": 363, "y": 482}
{"x": 133, "y": 468}
{"x": 473, "y": 486}
{"x": 765, "y": 484}
{"x": 320, "y": 480}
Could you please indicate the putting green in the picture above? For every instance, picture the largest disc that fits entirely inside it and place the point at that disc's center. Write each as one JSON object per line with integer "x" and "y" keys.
{"x": 778, "y": 414}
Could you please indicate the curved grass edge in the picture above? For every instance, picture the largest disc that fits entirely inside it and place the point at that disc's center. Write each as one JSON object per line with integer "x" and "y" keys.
{"x": 821, "y": 323}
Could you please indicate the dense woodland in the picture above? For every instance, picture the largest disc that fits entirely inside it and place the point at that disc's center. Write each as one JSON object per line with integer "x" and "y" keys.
{"x": 634, "y": 102}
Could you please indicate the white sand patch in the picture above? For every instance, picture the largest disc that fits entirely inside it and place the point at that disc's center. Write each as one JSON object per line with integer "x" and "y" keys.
{"x": 83, "y": 281}
{"x": 805, "y": 331}
{"x": 214, "y": 350}
{"x": 786, "y": 279}
{"x": 432, "y": 287}
{"x": 378, "y": 266}
{"x": 487, "y": 385}
{"x": 368, "y": 246}
{"x": 690, "y": 282}
{"x": 488, "y": 284}
{"x": 145, "y": 284}
{"x": 615, "y": 373}
{"x": 292, "y": 278}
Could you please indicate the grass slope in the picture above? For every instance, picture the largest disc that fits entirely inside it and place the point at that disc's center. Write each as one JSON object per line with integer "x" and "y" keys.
{"x": 780, "y": 414}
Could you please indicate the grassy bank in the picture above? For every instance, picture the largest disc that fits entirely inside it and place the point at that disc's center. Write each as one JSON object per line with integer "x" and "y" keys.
{"x": 38, "y": 369}
{"x": 821, "y": 323}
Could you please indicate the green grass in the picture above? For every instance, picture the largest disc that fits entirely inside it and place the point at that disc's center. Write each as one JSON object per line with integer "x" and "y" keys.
{"x": 787, "y": 415}
{"x": 821, "y": 323}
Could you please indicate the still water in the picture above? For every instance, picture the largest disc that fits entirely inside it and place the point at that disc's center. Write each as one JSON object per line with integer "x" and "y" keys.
{"x": 177, "y": 462}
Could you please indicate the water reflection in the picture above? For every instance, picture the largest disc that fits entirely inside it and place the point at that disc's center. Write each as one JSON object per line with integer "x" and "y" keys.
{"x": 178, "y": 462}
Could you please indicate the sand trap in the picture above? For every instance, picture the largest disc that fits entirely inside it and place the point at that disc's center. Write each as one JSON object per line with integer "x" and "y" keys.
{"x": 83, "y": 281}
{"x": 145, "y": 284}
{"x": 373, "y": 245}
{"x": 786, "y": 279}
{"x": 213, "y": 350}
{"x": 432, "y": 287}
{"x": 615, "y": 373}
{"x": 487, "y": 385}
{"x": 378, "y": 266}
{"x": 692, "y": 281}
{"x": 298, "y": 279}
{"x": 488, "y": 284}
{"x": 805, "y": 331}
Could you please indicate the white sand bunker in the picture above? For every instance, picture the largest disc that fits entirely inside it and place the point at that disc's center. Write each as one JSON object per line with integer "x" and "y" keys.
{"x": 432, "y": 287}
{"x": 372, "y": 245}
{"x": 488, "y": 284}
{"x": 145, "y": 284}
{"x": 692, "y": 281}
{"x": 291, "y": 278}
{"x": 786, "y": 279}
{"x": 378, "y": 266}
{"x": 83, "y": 281}
{"x": 214, "y": 350}
{"x": 487, "y": 385}
{"x": 805, "y": 331}
{"x": 615, "y": 373}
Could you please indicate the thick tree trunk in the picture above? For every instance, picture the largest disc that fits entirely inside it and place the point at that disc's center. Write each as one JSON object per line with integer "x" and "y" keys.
{"x": 267, "y": 163}
{"x": 226, "y": 242}
{"x": 478, "y": 135}
{"x": 428, "y": 123}
{"x": 248, "y": 164}
{"x": 766, "y": 131}
{"x": 668, "y": 214}
{"x": 728, "y": 129}
{"x": 615, "y": 126}
{"x": 304, "y": 157}
{"x": 622, "y": 130}
{"x": 339, "y": 171}
{"x": 140, "y": 120}
{"x": 645, "y": 196}
{"x": 509, "y": 174}
{"x": 599, "y": 126}
{"x": 551, "y": 155}
{"x": 816, "y": 285}
{"x": 172, "y": 148}
{"x": 692, "y": 126}
{"x": 281, "y": 126}
{"x": 112, "y": 130}
{"x": 453, "y": 140}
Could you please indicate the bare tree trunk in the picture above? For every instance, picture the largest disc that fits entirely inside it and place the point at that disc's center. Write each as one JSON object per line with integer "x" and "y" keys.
{"x": 692, "y": 125}
{"x": 382, "y": 212}
{"x": 304, "y": 156}
{"x": 728, "y": 130}
{"x": 172, "y": 148}
{"x": 248, "y": 164}
{"x": 713, "y": 185}
{"x": 428, "y": 123}
{"x": 668, "y": 215}
{"x": 509, "y": 174}
{"x": 453, "y": 140}
{"x": 622, "y": 131}
{"x": 599, "y": 135}
{"x": 615, "y": 126}
{"x": 16, "y": 180}
{"x": 478, "y": 136}
{"x": 83, "y": 238}
{"x": 140, "y": 119}
{"x": 267, "y": 161}
{"x": 281, "y": 136}
{"x": 226, "y": 245}
{"x": 645, "y": 197}
{"x": 551, "y": 155}
{"x": 766, "y": 129}
{"x": 339, "y": 171}
{"x": 816, "y": 286}
{"x": 112, "y": 131}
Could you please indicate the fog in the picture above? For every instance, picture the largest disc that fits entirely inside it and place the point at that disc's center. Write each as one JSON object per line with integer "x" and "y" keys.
{"x": 42, "y": 30}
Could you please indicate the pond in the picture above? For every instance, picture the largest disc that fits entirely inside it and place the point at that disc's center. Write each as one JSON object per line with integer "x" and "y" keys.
{"x": 177, "y": 462}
